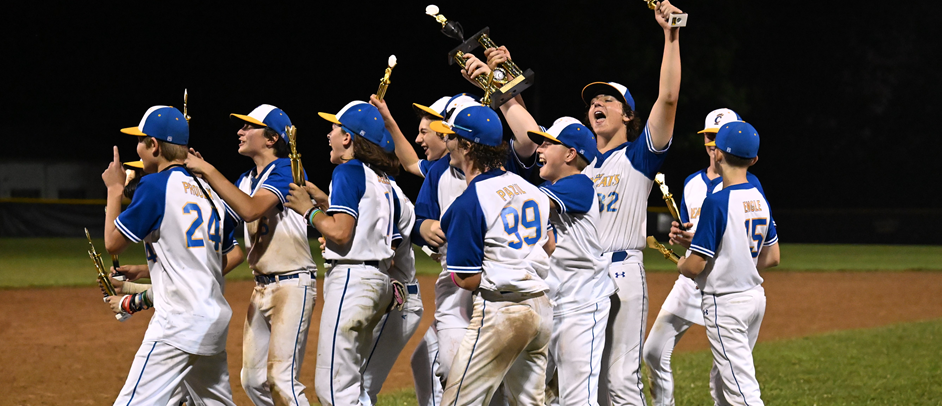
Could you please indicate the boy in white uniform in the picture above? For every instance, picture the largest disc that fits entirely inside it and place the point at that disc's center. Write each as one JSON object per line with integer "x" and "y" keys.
{"x": 497, "y": 229}
{"x": 358, "y": 225}
{"x": 579, "y": 283}
{"x": 279, "y": 255}
{"x": 178, "y": 219}
{"x": 681, "y": 308}
{"x": 735, "y": 239}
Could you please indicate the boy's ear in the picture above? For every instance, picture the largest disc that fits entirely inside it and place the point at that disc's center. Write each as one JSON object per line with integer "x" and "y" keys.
{"x": 754, "y": 160}
{"x": 156, "y": 148}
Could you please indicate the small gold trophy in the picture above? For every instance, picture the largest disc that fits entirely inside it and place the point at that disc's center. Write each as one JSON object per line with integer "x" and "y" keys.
{"x": 187, "y": 116}
{"x": 677, "y": 20}
{"x": 504, "y": 82}
{"x": 384, "y": 82}
{"x": 669, "y": 200}
{"x": 297, "y": 170}
{"x": 667, "y": 252}
{"x": 102, "y": 277}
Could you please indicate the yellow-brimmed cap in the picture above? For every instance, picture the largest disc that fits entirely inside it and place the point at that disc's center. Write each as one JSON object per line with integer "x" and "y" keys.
{"x": 330, "y": 117}
{"x": 710, "y": 144}
{"x": 544, "y": 135}
{"x": 424, "y": 109}
{"x": 135, "y": 164}
{"x": 440, "y": 127}
{"x": 133, "y": 131}
{"x": 248, "y": 119}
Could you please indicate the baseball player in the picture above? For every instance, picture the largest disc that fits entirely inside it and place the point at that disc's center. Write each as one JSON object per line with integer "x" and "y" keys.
{"x": 500, "y": 224}
{"x": 579, "y": 283}
{"x": 681, "y": 308}
{"x": 401, "y": 322}
{"x": 279, "y": 316}
{"x": 726, "y": 261}
{"x": 357, "y": 222}
{"x": 432, "y": 143}
{"x": 178, "y": 219}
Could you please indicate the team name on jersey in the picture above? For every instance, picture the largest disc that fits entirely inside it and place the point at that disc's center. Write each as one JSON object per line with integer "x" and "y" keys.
{"x": 382, "y": 179}
{"x": 601, "y": 180}
{"x": 510, "y": 191}
{"x": 195, "y": 190}
{"x": 694, "y": 213}
{"x": 750, "y": 206}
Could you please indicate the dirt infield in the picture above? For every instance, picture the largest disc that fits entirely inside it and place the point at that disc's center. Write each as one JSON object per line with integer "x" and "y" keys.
{"x": 62, "y": 346}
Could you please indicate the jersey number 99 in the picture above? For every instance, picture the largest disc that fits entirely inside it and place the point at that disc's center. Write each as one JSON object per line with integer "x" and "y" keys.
{"x": 531, "y": 221}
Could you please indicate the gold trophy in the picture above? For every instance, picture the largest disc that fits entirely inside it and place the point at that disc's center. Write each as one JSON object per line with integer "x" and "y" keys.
{"x": 102, "y": 277}
{"x": 669, "y": 200}
{"x": 677, "y": 20}
{"x": 667, "y": 252}
{"x": 187, "y": 116}
{"x": 504, "y": 82}
{"x": 384, "y": 82}
{"x": 297, "y": 170}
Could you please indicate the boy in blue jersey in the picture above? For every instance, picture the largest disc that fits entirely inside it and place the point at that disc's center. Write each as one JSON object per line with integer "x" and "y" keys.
{"x": 579, "y": 283}
{"x": 432, "y": 143}
{"x": 497, "y": 230}
{"x": 276, "y": 325}
{"x": 178, "y": 218}
{"x": 735, "y": 239}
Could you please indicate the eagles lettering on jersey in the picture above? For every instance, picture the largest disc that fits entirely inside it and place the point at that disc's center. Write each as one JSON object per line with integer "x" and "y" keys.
{"x": 735, "y": 224}
{"x": 500, "y": 234}
{"x": 357, "y": 190}
{"x": 623, "y": 179}
{"x": 578, "y": 275}
{"x": 277, "y": 227}
{"x": 185, "y": 243}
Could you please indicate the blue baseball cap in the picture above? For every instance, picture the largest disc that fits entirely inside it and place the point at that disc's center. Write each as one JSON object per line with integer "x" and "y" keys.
{"x": 571, "y": 133}
{"x": 164, "y": 123}
{"x": 474, "y": 122}
{"x": 611, "y": 88}
{"x": 362, "y": 119}
{"x": 738, "y": 138}
{"x": 267, "y": 115}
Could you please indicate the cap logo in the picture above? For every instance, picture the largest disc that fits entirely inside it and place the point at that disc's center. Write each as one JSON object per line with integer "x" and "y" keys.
{"x": 169, "y": 138}
{"x": 729, "y": 149}
{"x": 718, "y": 117}
{"x": 363, "y": 133}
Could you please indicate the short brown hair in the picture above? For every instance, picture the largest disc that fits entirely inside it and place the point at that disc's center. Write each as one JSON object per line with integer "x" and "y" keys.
{"x": 484, "y": 157}
{"x": 170, "y": 152}
{"x": 281, "y": 145}
{"x": 736, "y": 161}
{"x": 376, "y": 156}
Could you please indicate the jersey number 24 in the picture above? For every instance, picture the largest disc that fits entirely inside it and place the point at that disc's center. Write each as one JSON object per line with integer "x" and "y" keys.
{"x": 193, "y": 242}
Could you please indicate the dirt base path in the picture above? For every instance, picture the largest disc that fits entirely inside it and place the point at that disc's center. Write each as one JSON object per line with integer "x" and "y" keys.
{"x": 62, "y": 346}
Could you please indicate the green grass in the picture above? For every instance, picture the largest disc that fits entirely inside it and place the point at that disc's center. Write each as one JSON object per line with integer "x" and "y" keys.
{"x": 44, "y": 262}
{"x": 894, "y": 365}
{"x": 834, "y": 257}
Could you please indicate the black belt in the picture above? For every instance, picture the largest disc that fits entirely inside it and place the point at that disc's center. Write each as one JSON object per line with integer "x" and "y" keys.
{"x": 367, "y": 263}
{"x": 266, "y": 279}
{"x": 413, "y": 289}
{"x": 619, "y": 256}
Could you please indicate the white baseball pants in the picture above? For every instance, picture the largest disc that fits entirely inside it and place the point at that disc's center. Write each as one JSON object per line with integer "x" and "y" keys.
{"x": 390, "y": 337}
{"x": 620, "y": 382}
{"x": 576, "y": 354}
{"x": 159, "y": 370}
{"x": 732, "y": 325}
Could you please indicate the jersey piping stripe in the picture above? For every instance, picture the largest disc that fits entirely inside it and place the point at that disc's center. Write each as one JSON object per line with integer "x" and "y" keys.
{"x": 274, "y": 190}
{"x": 644, "y": 323}
{"x": 772, "y": 241}
{"x": 595, "y": 323}
{"x": 702, "y": 250}
{"x": 465, "y": 269}
{"x": 474, "y": 347}
{"x": 134, "y": 392}
{"x": 127, "y": 233}
{"x": 432, "y": 379}
{"x": 376, "y": 342}
{"x": 294, "y": 354}
{"x": 723, "y": 347}
{"x": 647, "y": 135}
{"x": 551, "y": 195}
{"x": 342, "y": 209}
{"x": 333, "y": 345}
{"x": 233, "y": 213}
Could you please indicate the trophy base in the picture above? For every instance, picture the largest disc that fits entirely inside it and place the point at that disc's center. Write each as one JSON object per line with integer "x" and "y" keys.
{"x": 468, "y": 45}
{"x": 512, "y": 89}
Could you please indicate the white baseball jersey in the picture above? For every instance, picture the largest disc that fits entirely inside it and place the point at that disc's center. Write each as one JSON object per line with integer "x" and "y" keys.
{"x": 578, "y": 275}
{"x": 278, "y": 227}
{"x": 442, "y": 185}
{"x": 499, "y": 223}
{"x": 623, "y": 179}
{"x": 735, "y": 223}
{"x": 184, "y": 242}
{"x": 357, "y": 190}
{"x": 403, "y": 269}
{"x": 697, "y": 187}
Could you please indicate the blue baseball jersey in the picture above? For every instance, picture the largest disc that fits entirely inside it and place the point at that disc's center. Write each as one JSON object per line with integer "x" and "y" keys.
{"x": 623, "y": 179}
{"x": 697, "y": 187}
{"x": 578, "y": 275}
{"x": 358, "y": 190}
{"x": 425, "y": 165}
{"x": 278, "y": 227}
{"x": 735, "y": 223}
{"x": 184, "y": 241}
{"x": 500, "y": 225}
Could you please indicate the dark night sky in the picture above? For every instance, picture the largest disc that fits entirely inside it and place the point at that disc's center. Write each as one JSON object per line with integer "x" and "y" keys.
{"x": 841, "y": 98}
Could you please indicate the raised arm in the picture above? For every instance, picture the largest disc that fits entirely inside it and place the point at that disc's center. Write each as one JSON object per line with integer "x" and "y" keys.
{"x": 249, "y": 208}
{"x": 114, "y": 177}
{"x": 661, "y": 120}
{"x": 404, "y": 151}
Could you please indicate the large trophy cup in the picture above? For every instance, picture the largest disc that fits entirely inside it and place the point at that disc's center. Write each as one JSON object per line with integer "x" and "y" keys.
{"x": 384, "y": 82}
{"x": 677, "y": 20}
{"x": 504, "y": 82}
{"x": 297, "y": 170}
{"x": 102, "y": 276}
